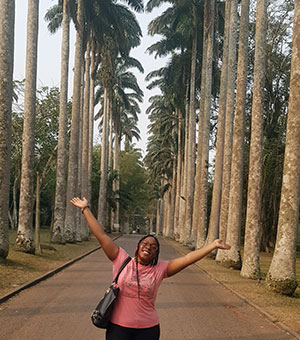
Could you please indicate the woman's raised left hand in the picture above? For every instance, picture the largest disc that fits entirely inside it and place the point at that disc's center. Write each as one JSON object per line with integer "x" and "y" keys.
{"x": 221, "y": 245}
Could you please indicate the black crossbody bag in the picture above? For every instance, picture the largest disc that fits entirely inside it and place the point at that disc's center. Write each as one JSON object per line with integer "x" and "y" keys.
{"x": 102, "y": 313}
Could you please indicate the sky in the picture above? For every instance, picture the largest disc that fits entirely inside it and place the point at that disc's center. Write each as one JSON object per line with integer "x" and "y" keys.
{"x": 49, "y": 51}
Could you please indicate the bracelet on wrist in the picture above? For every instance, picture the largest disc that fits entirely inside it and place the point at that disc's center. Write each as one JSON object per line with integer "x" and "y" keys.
{"x": 82, "y": 210}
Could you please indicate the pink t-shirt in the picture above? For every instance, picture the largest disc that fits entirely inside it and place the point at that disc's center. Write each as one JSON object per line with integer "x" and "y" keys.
{"x": 129, "y": 310}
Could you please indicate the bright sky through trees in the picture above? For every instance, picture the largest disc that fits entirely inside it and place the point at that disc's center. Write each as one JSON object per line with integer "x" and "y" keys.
{"x": 49, "y": 46}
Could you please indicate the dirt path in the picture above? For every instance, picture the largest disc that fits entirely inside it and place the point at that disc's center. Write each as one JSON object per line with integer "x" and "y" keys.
{"x": 191, "y": 306}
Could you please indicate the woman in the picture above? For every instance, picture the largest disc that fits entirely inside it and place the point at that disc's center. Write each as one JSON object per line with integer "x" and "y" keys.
{"x": 134, "y": 316}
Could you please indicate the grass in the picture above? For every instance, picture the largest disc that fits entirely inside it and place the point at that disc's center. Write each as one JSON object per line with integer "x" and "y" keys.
{"x": 20, "y": 267}
{"x": 281, "y": 308}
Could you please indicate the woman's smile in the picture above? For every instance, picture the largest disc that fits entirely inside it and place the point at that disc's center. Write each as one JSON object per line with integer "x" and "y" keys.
{"x": 147, "y": 251}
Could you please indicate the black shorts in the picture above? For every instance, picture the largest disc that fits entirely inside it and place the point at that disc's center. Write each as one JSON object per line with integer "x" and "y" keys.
{"x": 115, "y": 332}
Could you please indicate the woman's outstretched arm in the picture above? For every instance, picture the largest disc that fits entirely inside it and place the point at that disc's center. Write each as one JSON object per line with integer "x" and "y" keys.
{"x": 180, "y": 263}
{"x": 108, "y": 245}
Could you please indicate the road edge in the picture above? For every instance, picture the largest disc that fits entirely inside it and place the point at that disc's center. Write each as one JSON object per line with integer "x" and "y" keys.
{"x": 246, "y": 300}
{"x": 45, "y": 276}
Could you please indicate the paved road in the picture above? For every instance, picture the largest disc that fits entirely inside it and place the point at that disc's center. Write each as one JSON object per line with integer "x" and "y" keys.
{"x": 191, "y": 305}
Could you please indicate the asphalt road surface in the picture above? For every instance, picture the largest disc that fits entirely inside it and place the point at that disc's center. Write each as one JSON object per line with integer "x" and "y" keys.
{"x": 191, "y": 305}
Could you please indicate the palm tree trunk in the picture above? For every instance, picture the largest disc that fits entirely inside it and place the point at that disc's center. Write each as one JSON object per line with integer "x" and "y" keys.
{"x": 253, "y": 222}
{"x": 222, "y": 255}
{"x": 110, "y": 138}
{"x": 172, "y": 202}
{"x": 116, "y": 184}
{"x": 79, "y": 217}
{"x": 165, "y": 208}
{"x": 208, "y": 35}
{"x": 178, "y": 176}
{"x": 236, "y": 182}
{"x": 72, "y": 188}
{"x": 198, "y": 231}
{"x": 57, "y": 235}
{"x": 191, "y": 139}
{"x": 103, "y": 165}
{"x": 85, "y": 137}
{"x": 236, "y": 185}
{"x": 213, "y": 229}
{"x": 151, "y": 224}
{"x": 282, "y": 272}
{"x": 14, "y": 194}
{"x": 7, "y": 19}
{"x": 161, "y": 216}
{"x": 94, "y": 65}
{"x": 37, "y": 214}
{"x": 110, "y": 213}
{"x": 24, "y": 241}
{"x": 157, "y": 224}
{"x": 183, "y": 191}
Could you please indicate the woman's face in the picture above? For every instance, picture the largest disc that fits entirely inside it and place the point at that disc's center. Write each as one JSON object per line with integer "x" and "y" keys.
{"x": 147, "y": 250}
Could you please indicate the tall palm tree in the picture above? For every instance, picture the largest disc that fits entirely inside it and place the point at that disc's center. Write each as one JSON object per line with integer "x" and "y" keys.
{"x": 228, "y": 133}
{"x": 213, "y": 229}
{"x": 253, "y": 222}
{"x": 190, "y": 156}
{"x": 125, "y": 106}
{"x": 7, "y": 20}
{"x": 85, "y": 134}
{"x": 200, "y": 199}
{"x": 113, "y": 44}
{"x": 281, "y": 276}
{"x": 236, "y": 184}
{"x": 236, "y": 181}
{"x": 24, "y": 241}
{"x": 61, "y": 167}
{"x": 72, "y": 190}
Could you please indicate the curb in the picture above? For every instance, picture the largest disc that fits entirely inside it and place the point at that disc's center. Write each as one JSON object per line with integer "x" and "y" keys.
{"x": 268, "y": 316}
{"x": 48, "y": 274}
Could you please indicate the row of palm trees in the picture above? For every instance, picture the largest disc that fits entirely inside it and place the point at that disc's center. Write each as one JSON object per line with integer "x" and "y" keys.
{"x": 213, "y": 75}
{"x": 106, "y": 32}
{"x": 212, "y": 78}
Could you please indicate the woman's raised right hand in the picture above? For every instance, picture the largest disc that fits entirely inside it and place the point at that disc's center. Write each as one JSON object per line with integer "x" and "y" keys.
{"x": 79, "y": 203}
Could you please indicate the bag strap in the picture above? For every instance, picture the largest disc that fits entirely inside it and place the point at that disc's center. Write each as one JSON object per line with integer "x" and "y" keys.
{"x": 124, "y": 264}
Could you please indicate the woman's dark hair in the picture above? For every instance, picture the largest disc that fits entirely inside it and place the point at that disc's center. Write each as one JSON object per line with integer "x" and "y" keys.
{"x": 153, "y": 261}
